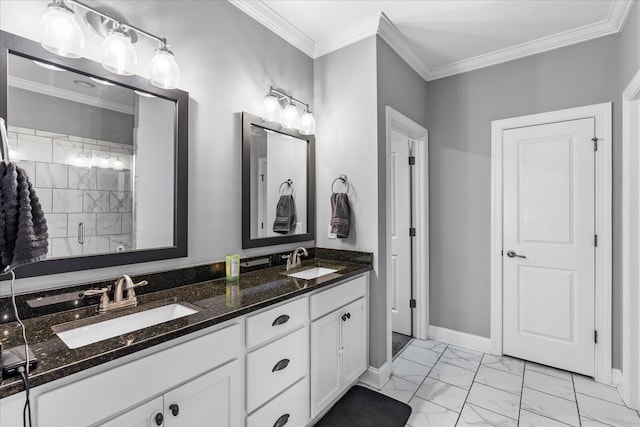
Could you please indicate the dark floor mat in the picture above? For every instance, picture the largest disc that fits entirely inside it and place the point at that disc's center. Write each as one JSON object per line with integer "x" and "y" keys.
{"x": 398, "y": 342}
{"x": 363, "y": 407}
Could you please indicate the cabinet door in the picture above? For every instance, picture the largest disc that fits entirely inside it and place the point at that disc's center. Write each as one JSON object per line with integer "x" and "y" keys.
{"x": 325, "y": 361}
{"x": 214, "y": 399}
{"x": 141, "y": 416}
{"x": 354, "y": 341}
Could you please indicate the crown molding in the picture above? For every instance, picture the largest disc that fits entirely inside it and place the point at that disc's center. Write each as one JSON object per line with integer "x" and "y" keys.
{"x": 262, "y": 13}
{"x": 398, "y": 42}
{"x": 360, "y": 32}
{"x": 544, "y": 44}
{"x": 381, "y": 25}
{"x": 69, "y": 95}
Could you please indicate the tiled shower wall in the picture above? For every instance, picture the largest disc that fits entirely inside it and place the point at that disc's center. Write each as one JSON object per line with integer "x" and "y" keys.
{"x": 99, "y": 197}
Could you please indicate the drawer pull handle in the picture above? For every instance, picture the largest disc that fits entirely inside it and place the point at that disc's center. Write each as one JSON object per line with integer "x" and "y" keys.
{"x": 175, "y": 409}
{"x": 346, "y": 316}
{"x": 281, "y": 365}
{"x": 159, "y": 419}
{"x": 281, "y": 421}
{"x": 280, "y": 320}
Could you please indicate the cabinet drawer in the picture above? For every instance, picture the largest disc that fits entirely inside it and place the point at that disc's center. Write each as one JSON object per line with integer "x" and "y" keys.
{"x": 331, "y": 299}
{"x": 290, "y": 409}
{"x": 276, "y": 366}
{"x": 276, "y": 321}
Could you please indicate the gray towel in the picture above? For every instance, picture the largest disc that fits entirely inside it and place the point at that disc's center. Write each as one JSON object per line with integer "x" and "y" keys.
{"x": 340, "y": 214}
{"x": 23, "y": 227}
{"x": 285, "y": 215}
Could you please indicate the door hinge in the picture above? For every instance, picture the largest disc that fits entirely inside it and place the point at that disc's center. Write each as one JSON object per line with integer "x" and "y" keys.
{"x": 595, "y": 143}
{"x": 595, "y": 240}
{"x": 412, "y": 160}
{"x": 412, "y": 303}
{"x": 595, "y": 337}
{"x": 412, "y": 232}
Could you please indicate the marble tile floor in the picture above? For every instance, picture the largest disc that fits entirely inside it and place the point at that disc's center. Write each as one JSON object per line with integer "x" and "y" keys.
{"x": 447, "y": 385}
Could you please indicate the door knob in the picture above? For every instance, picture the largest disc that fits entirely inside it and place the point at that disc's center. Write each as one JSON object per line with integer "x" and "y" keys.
{"x": 512, "y": 254}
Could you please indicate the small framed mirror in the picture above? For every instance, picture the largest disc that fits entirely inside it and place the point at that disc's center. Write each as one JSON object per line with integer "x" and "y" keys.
{"x": 278, "y": 184}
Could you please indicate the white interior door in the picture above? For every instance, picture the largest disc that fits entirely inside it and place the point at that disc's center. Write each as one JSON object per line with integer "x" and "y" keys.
{"x": 548, "y": 242}
{"x": 262, "y": 197}
{"x": 400, "y": 241}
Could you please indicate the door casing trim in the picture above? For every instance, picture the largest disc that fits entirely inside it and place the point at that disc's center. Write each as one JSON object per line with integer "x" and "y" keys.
{"x": 603, "y": 122}
{"x": 397, "y": 121}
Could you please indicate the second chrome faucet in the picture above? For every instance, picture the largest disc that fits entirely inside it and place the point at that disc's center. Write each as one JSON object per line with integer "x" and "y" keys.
{"x": 293, "y": 259}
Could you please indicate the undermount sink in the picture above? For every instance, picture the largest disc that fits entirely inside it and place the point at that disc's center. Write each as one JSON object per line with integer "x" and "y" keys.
{"x": 312, "y": 273}
{"x": 95, "y": 332}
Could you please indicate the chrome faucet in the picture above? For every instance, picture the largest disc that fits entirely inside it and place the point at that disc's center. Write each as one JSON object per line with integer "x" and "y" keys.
{"x": 293, "y": 260}
{"x": 123, "y": 283}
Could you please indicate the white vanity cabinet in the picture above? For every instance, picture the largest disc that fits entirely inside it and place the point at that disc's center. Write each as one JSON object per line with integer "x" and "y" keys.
{"x": 207, "y": 400}
{"x": 203, "y": 376}
{"x": 339, "y": 341}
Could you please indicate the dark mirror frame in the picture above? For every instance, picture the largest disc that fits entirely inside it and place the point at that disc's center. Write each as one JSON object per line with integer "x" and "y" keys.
{"x": 247, "y": 242}
{"x": 16, "y": 45}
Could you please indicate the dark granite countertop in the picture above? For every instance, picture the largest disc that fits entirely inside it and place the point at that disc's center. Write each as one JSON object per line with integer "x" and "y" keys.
{"x": 216, "y": 300}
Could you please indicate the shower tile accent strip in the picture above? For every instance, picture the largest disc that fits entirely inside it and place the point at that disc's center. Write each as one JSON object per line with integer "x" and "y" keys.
{"x": 100, "y": 196}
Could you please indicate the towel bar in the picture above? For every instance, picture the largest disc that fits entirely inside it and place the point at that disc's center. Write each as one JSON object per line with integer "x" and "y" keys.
{"x": 342, "y": 178}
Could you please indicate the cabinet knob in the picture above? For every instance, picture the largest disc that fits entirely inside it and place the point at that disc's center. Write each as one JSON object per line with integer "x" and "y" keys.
{"x": 175, "y": 409}
{"x": 159, "y": 418}
{"x": 280, "y": 365}
{"x": 281, "y": 421}
{"x": 280, "y": 320}
{"x": 345, "y": 316}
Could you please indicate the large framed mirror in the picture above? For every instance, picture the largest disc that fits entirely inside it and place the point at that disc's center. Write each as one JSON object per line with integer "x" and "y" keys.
{"x": 107, "y": 155}
{"x": 278, "y": 184}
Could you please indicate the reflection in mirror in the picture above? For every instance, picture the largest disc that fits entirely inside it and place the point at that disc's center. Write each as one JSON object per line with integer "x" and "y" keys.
{"x": 101, "y": 157}
{"x": 277, "y": 184}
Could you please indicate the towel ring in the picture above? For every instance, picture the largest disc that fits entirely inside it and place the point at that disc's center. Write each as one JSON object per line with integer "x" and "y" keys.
{"x": 289, "y": 183}
{"x": 343, "y": 179}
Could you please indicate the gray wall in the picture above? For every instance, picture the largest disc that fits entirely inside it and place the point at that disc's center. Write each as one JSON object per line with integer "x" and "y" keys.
{"x": 459, "y": 116}
{"x": 345, "y": 98}
{"x": 43, "y": 112}
{"x": 228, "y": 61}
{"x": 630, "y": 47}
{"x": 402, "y": 89}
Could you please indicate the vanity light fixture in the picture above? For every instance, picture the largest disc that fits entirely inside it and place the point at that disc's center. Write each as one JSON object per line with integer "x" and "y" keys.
{"x": 59, "y": 31}
{"x": 61, "y": 34}
{"x": 118, "y": 54}
{"x": 288, "y": 117}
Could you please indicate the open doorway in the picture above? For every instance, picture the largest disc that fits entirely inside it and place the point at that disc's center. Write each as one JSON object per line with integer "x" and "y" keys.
{"x": 407, "y": 231}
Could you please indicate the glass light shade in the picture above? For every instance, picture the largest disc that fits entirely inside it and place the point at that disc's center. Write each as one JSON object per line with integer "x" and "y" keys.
{"x": 271, "y": 110}
{"x": 290, "y": 116}
{"x": 307, "y": 123}
{"x": 164, "y": 72}
{"x": 118, "y": 54}
{"x": 60, "y": 33}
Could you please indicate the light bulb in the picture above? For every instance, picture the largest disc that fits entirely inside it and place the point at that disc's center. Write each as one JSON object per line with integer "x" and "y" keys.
{"x": 60, "y": 33}
{"x": 290, "y": 116}
{"x": 307, "y": 123}
{"x": 164, "y": 71}
{"x": 118, "y": 54}
{"x": 271, "y": 110}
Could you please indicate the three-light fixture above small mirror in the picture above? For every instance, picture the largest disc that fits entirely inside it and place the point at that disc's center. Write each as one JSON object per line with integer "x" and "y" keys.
{"x": 274, "y": 112}
{"x": 61, "y": 34}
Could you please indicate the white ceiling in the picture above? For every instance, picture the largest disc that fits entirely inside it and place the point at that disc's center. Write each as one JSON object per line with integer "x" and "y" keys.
{"x": 441, "y": 37}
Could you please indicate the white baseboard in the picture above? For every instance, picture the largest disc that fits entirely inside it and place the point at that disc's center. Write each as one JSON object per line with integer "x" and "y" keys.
{"x": 376, "y": 377}
{"x": 462, "y": 339}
